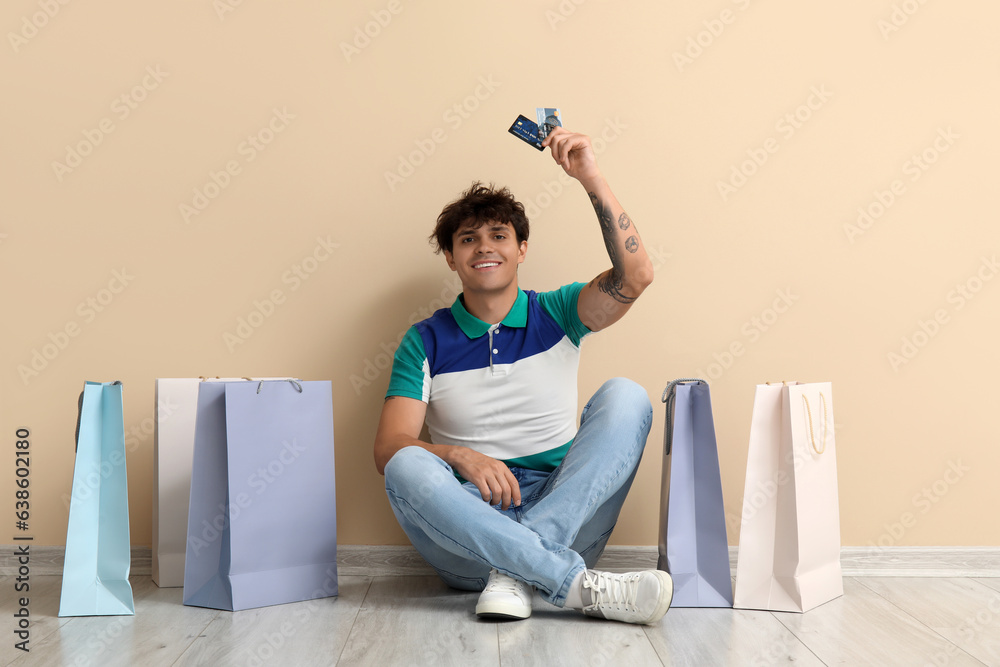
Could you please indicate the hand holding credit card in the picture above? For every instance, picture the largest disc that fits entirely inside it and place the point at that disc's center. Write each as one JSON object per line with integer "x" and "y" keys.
{"x": 547, "y": 118}
{"x": 532, "y": 132}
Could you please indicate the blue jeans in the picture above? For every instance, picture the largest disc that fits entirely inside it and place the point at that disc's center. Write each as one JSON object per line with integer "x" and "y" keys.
{"x": 565, "y": 518}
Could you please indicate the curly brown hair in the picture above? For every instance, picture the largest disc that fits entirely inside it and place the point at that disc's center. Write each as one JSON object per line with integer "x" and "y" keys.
{"x": 477, "y": 206}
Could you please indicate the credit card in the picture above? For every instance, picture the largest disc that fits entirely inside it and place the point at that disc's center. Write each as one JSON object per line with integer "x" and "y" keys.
{"x": 526, "y": 130}
{"x": 547, "y": 118}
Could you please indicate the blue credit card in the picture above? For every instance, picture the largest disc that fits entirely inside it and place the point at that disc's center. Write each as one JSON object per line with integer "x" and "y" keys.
{"x": 526, "y": 130}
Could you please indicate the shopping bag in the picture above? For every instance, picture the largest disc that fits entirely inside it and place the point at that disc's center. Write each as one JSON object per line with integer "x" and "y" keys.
{"x": 98, "y": 558}
{"x": 693, "y": 546}
{"x": 789, "y": 553}
{"x": 262, "y": 522}
{"x": 173, "y": 451}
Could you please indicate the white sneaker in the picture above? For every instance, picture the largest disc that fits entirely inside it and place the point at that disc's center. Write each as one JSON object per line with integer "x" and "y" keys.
{"x": 504, "y": 597}
{"x": 631, "y": 597}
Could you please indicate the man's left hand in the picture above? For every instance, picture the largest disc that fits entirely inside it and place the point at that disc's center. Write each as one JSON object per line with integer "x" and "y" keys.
{"x": 574, "y": 153}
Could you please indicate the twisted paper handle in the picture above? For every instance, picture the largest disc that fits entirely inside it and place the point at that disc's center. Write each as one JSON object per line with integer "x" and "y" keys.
{"x": 826, "y": 422}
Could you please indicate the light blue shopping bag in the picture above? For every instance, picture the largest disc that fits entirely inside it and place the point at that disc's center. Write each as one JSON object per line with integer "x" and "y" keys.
{"x": 96, "y": 566}
{"x": 693, "y": 546}
{"x": 262, "y": 521}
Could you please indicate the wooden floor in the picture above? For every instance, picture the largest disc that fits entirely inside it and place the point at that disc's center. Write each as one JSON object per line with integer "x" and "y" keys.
{"x": 416, "y": 620}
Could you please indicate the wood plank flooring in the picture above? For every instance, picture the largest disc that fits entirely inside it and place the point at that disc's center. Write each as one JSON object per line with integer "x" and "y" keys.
{"x": 416, "y": 620}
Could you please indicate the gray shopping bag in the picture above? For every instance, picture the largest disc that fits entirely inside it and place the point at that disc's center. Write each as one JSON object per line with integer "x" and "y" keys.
{"x": 262, "y": 519}
{"x": 693, "y": 545}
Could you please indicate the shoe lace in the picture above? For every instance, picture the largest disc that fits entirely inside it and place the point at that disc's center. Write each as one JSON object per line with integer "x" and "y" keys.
{"x": 501, "y": 582}
{"x": 611, "y": 590}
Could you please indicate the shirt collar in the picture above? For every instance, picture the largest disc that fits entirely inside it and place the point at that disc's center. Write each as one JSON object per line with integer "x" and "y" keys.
{"x": 473, "y": 327}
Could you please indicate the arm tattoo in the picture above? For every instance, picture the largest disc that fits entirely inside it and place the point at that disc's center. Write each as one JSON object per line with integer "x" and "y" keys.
{"x": 611, "y": 282}
{"x": 631, "y": 244}
{"x": 624, "y": 221}
{"x": 603, "y": 213}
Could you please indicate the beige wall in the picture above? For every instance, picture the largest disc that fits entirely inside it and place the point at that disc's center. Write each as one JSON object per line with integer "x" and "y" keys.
{"x": 881, "y": 93}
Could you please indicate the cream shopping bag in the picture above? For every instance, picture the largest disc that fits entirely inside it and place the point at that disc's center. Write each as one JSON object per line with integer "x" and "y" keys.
{"x": 173, "y": 451}
{"x": 789, "y": 553}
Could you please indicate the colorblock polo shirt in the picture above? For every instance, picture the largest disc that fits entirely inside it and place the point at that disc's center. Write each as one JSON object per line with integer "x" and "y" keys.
{"x": 507, "y": 390}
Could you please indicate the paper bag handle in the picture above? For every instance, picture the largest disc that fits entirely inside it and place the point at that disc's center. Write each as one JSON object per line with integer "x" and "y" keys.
{"x": 295, "y": 383}
{"x": 826, "y": 422}
{"x": 668, "y": 397}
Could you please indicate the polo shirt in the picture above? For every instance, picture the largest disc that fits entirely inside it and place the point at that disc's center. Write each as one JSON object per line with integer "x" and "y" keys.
{"x": 507, "y": 390}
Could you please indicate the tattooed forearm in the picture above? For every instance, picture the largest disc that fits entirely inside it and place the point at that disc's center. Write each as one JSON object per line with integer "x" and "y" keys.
{"x": 603, "y": 214}
{"x": 608, "y": 231}
{"x": 611, "y": 282}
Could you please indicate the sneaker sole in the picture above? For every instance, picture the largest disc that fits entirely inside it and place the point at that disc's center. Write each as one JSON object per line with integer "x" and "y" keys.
{"x": 661, "y": 611}
{"x": 503, "y": 612}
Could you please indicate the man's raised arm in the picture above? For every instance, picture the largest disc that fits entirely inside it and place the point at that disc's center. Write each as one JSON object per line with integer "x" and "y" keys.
{"x": 608, "y": 296}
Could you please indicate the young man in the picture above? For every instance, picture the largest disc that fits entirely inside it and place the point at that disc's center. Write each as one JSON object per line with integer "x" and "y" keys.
{"x": 509, "y": 495}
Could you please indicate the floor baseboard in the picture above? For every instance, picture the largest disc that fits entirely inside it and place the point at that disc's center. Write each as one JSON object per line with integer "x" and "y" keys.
{"x": 386, "y": 560}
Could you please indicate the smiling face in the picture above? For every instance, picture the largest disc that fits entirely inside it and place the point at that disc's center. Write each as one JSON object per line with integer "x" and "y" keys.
{"x": 486, "y": 257}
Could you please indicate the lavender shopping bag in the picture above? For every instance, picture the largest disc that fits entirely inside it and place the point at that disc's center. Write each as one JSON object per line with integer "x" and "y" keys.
{"x": 693, "y": 546}
{"x": 262, "y": 521}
